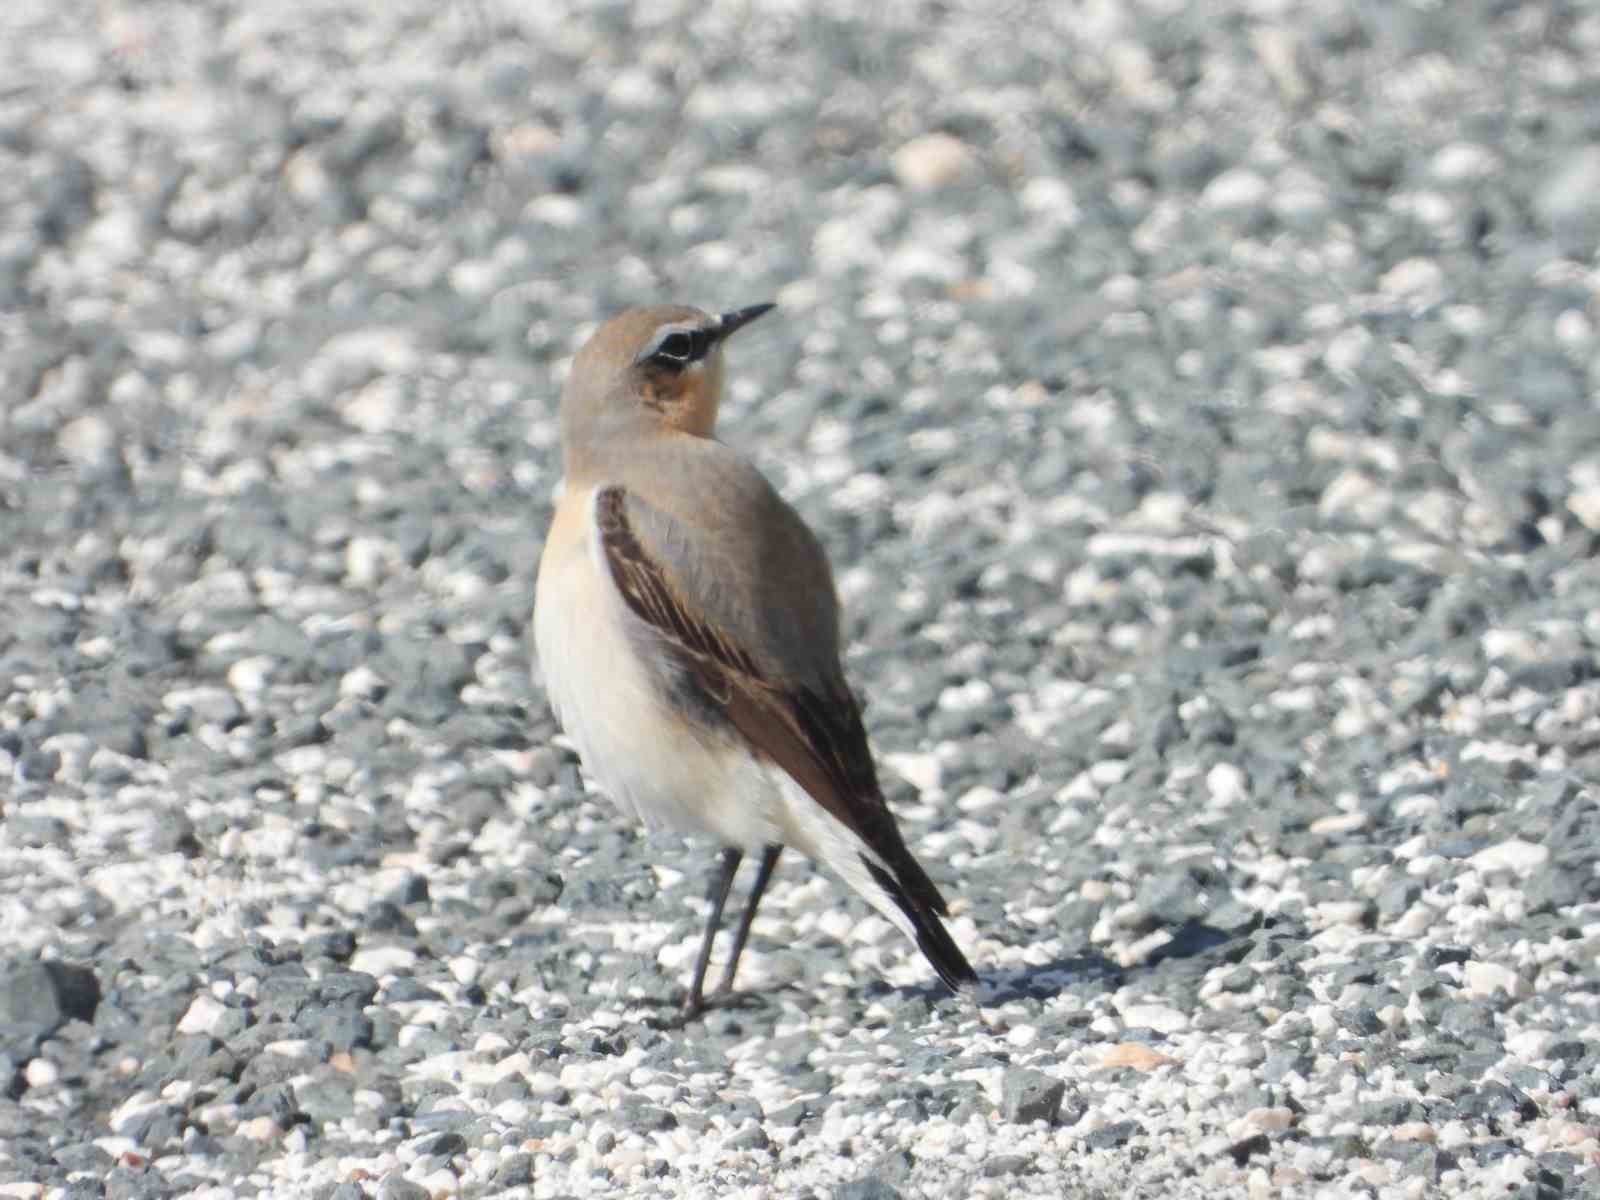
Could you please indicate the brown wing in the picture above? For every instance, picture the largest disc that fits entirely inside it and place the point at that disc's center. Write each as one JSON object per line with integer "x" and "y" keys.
{"x": 811, "y": 729}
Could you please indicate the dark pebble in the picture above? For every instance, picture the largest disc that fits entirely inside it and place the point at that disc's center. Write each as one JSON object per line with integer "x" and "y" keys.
{"x": 1027, "y": 1095}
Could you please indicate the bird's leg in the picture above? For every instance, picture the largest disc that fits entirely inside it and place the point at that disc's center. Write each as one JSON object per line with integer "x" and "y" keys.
{"x": 769, "y": 860}
{"x": 717, "y": 893}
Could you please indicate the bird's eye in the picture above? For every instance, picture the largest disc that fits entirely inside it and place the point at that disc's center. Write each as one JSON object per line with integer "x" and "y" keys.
{"x": 680, "y": 348}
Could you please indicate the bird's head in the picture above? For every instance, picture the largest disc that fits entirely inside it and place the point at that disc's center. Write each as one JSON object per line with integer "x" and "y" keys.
{"x": 657, "y": 367}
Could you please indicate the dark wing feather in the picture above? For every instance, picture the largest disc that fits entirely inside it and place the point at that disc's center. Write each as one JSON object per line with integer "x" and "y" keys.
{"x": 812, "y": 729}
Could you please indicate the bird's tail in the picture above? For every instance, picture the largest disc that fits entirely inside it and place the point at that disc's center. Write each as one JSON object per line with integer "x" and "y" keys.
{"x": 882, "y": 870}
{"x": 932, "y": 938}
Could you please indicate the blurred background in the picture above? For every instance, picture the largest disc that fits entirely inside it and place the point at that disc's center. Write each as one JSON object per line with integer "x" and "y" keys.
{"x": 1198, "y": 404}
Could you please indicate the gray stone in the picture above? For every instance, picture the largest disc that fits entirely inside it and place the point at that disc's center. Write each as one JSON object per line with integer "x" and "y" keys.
{"x": 1027, "y": 1095}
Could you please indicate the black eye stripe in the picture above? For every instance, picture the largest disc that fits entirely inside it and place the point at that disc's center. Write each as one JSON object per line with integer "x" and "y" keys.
{"x": 680, "y": 348}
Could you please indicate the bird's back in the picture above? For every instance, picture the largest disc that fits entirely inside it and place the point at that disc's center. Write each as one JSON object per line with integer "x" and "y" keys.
{"x": 743, "y": 555}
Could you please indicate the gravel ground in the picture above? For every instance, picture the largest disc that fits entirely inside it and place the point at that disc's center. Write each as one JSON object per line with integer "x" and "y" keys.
{"x": 1202, "y": 408}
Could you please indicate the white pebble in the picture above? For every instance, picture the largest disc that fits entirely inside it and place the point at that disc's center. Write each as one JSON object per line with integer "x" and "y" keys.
{"x": 1235, "y": 191}
{"x": 1516, "y": 856}
{"x": 1348, "y": 349}
{"x": 1418, "y": 281}
{"x": 1463, "y": 162}
{"x": 1273, "y": 1119}
{"x": 367, "y": 560}
{"x": 379, "y": 961}
{"x": 1529, "y": 1045}
{"x": 1353, "y": 496}
{"x": 1332, "y": 913}
{"x": 979, "y": 799}
{"x": 1487, "y": 978}
{"x": 1515, "y": 644}
{"x": 249, "y": 676}
{"x": 932, "y": 161}
{"x": 554, "y": 209}
{"x": 202, "y": 1016}
{"x": 922, "y": 771}
{"x": 362, "y": 683}
{"x": 1585, "y": 505}
{"x": 1337, "y": 823}
{"x": 1160, "y": 1017}
{"x": 1227, "y": 785}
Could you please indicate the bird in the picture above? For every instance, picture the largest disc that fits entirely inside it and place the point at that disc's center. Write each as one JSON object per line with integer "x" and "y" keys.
{"x": 687, "y": 627}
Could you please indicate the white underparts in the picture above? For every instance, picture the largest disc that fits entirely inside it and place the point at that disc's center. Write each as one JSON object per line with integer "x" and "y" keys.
{"x": 663, "y": 766}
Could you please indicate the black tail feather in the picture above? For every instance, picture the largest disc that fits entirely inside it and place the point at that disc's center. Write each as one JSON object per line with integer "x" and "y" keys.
{"x": 933, "y": 939}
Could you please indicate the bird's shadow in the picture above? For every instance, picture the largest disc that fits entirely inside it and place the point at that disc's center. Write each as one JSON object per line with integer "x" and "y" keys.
{"x": 1194, "y": 944}
{"x": 1049, "y": 979}
{"x": 667, "y": 1011}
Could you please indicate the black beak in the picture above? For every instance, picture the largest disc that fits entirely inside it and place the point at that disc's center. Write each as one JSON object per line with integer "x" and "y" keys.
{"x": 739, "y": 317}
